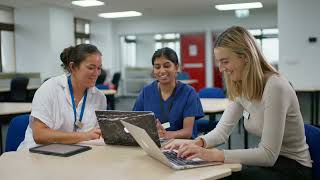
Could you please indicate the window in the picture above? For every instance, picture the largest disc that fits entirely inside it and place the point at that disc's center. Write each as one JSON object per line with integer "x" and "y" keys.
{"x": 269, "y": 43}
{"x": 128, "y": 47}
{"x": 171, "y": 40}
{"x": 82, "y": 31}
{"x": 7, "y": 57}
{"x": 136, "y": 50}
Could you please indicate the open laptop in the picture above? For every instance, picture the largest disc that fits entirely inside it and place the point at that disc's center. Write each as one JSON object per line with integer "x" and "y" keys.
{"x": 114, "y": 133}
{"x": 168, "y": 158}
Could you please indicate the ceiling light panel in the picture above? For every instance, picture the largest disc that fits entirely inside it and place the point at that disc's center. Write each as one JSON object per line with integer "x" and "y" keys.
{"x": 87, "y": 3}
{"x": 225, "y": 7}
{"x": 120, "y": 14}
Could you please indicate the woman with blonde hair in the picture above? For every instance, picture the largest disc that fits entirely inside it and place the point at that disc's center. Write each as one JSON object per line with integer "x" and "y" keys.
{"x": 270, "y": 109}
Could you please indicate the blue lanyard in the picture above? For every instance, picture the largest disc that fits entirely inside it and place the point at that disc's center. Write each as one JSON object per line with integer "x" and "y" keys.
{"x": 74, "y": 104}
{"x": 165, "y": 114}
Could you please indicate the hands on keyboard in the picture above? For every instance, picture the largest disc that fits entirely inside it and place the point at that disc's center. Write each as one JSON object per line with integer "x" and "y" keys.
{"x": 172, "y": 156}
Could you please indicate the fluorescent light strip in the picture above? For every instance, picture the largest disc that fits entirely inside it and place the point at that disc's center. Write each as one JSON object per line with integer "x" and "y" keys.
{"x": 225, "y": 7}
{"x": 87, "y": 3}
{"x": 120, "y": 14}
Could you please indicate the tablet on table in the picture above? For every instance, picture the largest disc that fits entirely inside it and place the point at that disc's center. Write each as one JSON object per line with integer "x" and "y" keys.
{"x": 59, "y": 149}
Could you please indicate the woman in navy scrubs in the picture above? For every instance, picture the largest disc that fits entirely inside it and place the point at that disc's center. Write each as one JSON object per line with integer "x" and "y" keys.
{"x": 170, "y": 100}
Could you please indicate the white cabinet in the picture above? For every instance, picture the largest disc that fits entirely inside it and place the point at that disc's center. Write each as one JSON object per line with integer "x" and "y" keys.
{"x": 135, "y": 79}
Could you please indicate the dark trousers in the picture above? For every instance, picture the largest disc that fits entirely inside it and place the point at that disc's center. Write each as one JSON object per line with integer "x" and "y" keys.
{"x": 284, "y": 169}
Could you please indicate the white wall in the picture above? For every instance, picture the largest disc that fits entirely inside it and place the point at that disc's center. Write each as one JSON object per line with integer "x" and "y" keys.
{"x": 102, "y": 36}
{"x": 299, "y": 59}
{"x": 32, "y": 39}
{"x": 61, "y": 36}
{"x": 257, "y": 19}
{"x": 202, "y": 23}
{"x": 41, "y": 34}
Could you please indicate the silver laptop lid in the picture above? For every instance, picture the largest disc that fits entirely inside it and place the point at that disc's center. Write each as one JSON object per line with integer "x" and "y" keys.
{"x": 146, "y": 143}
{"x": 151, "y": 149}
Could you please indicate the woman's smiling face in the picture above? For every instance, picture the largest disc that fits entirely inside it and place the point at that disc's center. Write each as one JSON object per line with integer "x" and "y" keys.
{"x": 230, "y": 63}
{"x": 165, "y": 70}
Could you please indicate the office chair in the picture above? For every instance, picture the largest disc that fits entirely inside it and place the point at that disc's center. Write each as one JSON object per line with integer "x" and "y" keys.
{"x": 115, "y": 80}
{"x": 102, "y": 77}
{"x": 183, "y": 76}
{"x": 18, "y": 89}
{"x": 312, "y": 136}
{"x": 204, "y": 125}
{"x": 16, "y": 132}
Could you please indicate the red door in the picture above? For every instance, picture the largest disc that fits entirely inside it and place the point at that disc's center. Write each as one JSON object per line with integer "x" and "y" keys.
{"x": 193, "y": 57}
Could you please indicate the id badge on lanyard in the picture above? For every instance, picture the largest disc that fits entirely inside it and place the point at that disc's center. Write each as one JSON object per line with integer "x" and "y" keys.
{"x": 77, "y": 122}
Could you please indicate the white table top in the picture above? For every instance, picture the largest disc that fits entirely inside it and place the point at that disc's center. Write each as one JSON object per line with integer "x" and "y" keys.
{"x": 102, "y": 162}
{"x": 214, "y": 105}
{"x": 189, "y": 81}
{"x": 7, "y": 108}
{"x": 109, "y": 92}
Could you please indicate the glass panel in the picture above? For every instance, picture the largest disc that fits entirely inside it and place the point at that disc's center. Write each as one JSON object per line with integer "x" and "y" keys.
{"x": 270, "y": 31}
{"x": 158, "y": 45}
{"x": 128, "y": 51}
{"x": 171, "y": 40}
{"x": 82, "y": 26}
{"x": 131, "y": 37}
{"x": 78, "y": 41}
{"x": 6, "y": 15}
{"x": 7, "y": 51}
{"x": 255, "y": 32}
{"x": 169, "y": 36}
{"x": 87, "y": 28}
{"x": 158, "y": 36}
{"x": 270, "y": 48}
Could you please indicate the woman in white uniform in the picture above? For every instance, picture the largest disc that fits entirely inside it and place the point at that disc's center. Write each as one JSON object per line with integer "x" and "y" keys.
{"x": 63, "y": 107}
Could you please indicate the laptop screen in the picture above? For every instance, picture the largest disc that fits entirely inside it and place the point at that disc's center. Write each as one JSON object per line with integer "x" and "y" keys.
{"x": 113, "y": 131}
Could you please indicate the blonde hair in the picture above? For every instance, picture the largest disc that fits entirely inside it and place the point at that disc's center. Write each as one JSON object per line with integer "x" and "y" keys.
{"x": 252, "y": 83}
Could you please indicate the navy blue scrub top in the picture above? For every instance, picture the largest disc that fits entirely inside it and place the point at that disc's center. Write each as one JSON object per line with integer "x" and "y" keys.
{"x": 185, "y": 103}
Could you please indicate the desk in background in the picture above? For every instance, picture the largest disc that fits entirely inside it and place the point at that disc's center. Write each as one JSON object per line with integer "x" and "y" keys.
{"x": 102, "y": 162}
{"x": 29, "y": 87}
{"x": 189, "y": 81}
{"x": 214, "y": 106}
{"x": 5, "y": 90}
{"x": 8, "y": 110}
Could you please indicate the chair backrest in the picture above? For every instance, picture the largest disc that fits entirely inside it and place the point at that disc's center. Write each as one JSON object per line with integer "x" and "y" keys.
{"x": 18, "y": 89}
{"x": 313, "y": 141}
{"x": 102, "y": 77}
{"x": 16, "y": 132}
{"x": 211, "y": 93}
{"x": 183, "y": 76}
{"x": 116, "y": 79}
{"x": 102, "y": 86}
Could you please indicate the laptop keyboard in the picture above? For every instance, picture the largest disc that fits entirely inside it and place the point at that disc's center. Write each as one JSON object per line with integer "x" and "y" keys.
{"x": 172, "y": 156}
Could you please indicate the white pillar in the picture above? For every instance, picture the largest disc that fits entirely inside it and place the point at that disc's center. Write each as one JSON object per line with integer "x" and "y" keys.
{"x": 41, "y": 33}
{"x": 209, "y": 59}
